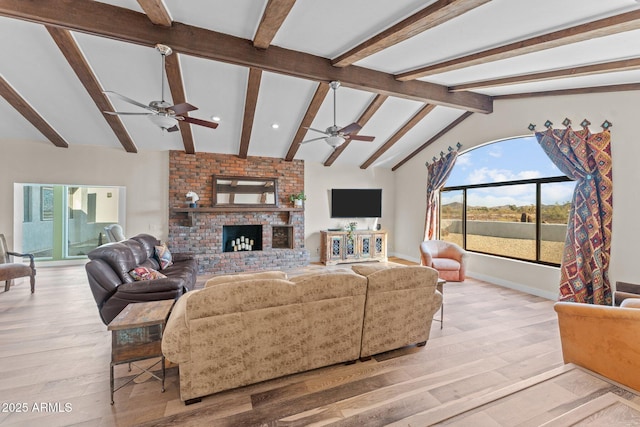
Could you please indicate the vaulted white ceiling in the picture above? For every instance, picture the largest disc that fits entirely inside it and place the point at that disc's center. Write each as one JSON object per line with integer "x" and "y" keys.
{"x": 35, "y": 68}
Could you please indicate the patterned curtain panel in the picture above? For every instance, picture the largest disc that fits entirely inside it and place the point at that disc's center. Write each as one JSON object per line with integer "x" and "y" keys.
{"x": 586, "y": 158}
{"x": 437, "y": 174}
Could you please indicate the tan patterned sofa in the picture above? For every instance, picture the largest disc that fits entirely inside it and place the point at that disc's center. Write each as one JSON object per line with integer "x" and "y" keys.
{"x": 399, "y": 308}
{"x": 242, "y": 329}
{"x": 241, "y": 332}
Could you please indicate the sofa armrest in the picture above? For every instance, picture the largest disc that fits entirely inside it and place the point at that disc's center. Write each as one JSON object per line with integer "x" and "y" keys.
{"x": 176, "y": 339}
{"x": 426, "y": 255}
{"x": 151, "y": 286}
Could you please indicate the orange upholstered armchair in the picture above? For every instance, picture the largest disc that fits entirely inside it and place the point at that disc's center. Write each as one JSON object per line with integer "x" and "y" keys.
{"x": 602, "y": 339}
{"x": 448, "y": 258}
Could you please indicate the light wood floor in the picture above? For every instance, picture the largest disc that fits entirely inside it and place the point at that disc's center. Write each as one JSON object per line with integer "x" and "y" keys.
{"x": 55, "y": 350}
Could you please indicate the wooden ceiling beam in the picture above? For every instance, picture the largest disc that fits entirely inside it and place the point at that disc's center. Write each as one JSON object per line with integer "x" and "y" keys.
{"x": 413, "y": 121}
{"x": 431, "y": 16}
{"x": 156, "y": 11}
{"x": 602, "y": 27}
{"x": 433, "y": 139}
{"x": 29, "y": 113}
{"x": 126, "y": 25}
{"x": 272, "y": 19}
{"x": 176, "y": 85}
{"x": 69, "y": 48}
{"x": 587, "y": 70}
{"x": 250, "y": 103}
{"x": 312, "y": 111}
{"x": 362, "y": 120}
{"x": 624, "y": 87}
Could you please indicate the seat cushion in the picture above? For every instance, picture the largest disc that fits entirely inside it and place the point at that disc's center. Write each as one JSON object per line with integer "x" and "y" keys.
{"x": 14, "y": 271}
{"x": 446, "y": 264}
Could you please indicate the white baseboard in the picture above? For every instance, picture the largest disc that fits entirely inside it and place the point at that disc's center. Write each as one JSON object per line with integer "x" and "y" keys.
{"x": 403, "y": 256}
{"x": 513, "y": 285}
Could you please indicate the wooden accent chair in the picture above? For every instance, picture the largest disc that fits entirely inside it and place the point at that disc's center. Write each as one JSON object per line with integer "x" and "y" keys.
{"x": 625, "y": 290}
{"x": 13, "y": 270}
{"x": 448, "y": 258}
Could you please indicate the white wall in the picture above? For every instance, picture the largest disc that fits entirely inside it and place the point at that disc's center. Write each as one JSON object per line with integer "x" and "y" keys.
{"x": 145, "y": 176}
{"x": 319, "y": 180}
{"x": 509, "y": 119}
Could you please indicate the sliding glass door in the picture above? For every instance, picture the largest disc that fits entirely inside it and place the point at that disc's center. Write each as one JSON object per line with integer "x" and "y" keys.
{"x": 64, "y": 221}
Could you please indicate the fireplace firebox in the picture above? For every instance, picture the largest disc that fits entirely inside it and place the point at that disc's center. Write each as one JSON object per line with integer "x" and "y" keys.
{"x": 239, "y": 238}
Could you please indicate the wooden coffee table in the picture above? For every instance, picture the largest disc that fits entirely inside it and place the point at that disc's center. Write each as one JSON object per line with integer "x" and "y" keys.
{"x": 136, "y": 334}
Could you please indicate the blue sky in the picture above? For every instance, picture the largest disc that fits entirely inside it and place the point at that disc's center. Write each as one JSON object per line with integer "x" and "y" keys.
{"x": 508, "y": 160}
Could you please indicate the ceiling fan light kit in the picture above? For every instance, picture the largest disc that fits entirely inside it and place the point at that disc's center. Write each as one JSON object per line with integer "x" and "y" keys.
{"x": 336, "y": 136}
{"x": 163, "y": 121}
{"x": 335, "y": 141}
{"x": 161, "y": 113}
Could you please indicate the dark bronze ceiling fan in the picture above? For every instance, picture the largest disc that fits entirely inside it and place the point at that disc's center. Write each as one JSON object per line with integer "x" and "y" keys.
{"x": 161, "y": 113}
{"x": 335, "y": 136}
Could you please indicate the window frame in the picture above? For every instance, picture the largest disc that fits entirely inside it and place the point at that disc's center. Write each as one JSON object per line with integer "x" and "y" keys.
{"x": 538, "y": 183}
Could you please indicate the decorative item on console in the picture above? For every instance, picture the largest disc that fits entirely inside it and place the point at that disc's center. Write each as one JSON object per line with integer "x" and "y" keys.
{"x": 192, "y": 199}
{"x": 351, "y": 227}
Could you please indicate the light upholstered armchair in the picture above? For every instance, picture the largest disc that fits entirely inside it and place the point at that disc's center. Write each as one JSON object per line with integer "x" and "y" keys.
{"x": 448, "y": 258}
{"x": 114, "y": 233}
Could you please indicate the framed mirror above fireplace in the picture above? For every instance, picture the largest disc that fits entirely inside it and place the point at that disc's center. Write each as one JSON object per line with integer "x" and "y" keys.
{"x": 245, "y": 191}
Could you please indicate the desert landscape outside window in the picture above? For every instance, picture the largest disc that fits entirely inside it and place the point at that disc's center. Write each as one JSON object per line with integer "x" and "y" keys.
{"x": 507, "y": 198}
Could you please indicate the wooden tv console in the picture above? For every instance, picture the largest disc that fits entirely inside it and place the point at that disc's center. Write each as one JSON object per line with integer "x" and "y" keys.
{"x": 366, "y": 245}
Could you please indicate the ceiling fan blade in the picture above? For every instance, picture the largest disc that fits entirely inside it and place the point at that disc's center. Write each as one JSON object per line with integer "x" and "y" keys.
{"x": 200, "y": 122}
{"x": 122, "y": 113}
{"x": 317, "y": 130}
{"x": 129, "y": 100}
{"x": 353, "y": 127}
{"x": 173, "y": 128}
{"x": 311, "y": 140}
{"x": 360, "y": 137}
{"x": 185, "y": 107}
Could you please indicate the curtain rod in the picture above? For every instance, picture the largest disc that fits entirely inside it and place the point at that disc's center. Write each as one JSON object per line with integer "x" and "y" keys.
{"x": 567, "y": 123}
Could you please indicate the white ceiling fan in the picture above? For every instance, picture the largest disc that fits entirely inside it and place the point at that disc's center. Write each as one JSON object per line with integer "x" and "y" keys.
{"x": 161, "y": 113}
{"x": 335, "y": 136}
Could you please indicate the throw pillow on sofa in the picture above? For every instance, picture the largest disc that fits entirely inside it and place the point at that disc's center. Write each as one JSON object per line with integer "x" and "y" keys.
{"x": 145, "y": 273}
{"x": 164, "y": 256}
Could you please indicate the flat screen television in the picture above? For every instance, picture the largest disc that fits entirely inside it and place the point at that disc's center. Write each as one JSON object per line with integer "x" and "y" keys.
{"x": 356, "y": 203}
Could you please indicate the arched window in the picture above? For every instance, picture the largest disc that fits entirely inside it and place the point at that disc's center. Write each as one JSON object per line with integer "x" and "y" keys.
{"x": 507, "y": 198}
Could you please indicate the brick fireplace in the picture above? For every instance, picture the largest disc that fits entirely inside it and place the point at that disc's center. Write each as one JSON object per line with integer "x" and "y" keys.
{"x": 279, "y": 243}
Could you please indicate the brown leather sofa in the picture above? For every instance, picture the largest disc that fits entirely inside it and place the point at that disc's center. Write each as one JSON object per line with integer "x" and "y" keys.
{"x": 602, "y": 339}
{"x": 114, "y": 288}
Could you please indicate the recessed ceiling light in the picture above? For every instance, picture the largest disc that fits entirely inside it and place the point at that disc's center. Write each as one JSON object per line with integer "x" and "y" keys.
{"x": 275, "y": 126}
{"x": 215, "y": 118}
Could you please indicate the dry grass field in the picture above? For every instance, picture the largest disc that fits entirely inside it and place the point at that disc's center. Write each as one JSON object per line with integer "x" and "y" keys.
{"x": 517, "y": 248}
